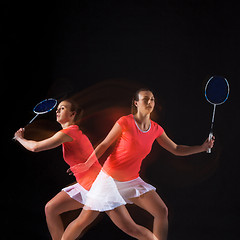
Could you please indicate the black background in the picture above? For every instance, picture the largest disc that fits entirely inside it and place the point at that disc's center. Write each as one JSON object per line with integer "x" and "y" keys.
{"x": 102, "y": 51}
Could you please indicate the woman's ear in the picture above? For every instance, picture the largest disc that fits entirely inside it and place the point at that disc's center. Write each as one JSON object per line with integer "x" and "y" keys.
{"x": 73, "y": 113}
{"x": 135, "y": 103}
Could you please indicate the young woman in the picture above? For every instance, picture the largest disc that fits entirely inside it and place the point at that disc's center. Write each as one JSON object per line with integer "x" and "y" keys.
{"x": 119, "y": 183}
{"x": 76, "y": 149}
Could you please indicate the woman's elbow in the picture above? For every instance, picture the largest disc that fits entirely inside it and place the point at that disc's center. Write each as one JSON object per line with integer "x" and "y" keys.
{"x": 177, "y": 151}
{"x": 178, "y": 154}
{"x": 34, "y": 148}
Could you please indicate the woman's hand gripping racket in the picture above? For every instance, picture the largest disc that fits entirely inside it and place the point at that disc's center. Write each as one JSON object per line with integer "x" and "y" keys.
{"x": 43, "y": 107}
{"x": 216, "y": 93}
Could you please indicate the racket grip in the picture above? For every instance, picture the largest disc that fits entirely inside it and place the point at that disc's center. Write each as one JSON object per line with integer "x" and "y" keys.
{"x": 209, "y": 139}
{"x": 14, "y": 138}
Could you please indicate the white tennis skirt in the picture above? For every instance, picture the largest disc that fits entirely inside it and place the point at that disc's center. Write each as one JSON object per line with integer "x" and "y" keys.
{"x": 77, "y": 192}
{"x": 106, "y": 193}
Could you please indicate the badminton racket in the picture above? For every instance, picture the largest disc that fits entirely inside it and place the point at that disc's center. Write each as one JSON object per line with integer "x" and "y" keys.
{"x": 216, "y": 92}
{"x": 43, "y": 107}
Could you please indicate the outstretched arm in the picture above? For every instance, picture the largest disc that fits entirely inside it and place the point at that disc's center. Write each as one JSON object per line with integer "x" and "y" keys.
{"x": 182, "y": 150}
{"x": 38, "y": 146}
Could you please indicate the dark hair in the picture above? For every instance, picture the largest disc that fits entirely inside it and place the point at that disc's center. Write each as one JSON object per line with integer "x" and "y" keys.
{"x": 75, "y": 107}
{"x": 136, "y": 98}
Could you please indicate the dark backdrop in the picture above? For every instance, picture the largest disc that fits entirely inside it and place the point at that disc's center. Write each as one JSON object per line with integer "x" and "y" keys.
{"x": 101, "y": 52}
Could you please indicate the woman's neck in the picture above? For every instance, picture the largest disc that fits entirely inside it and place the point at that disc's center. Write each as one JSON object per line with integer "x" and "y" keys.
{"x": 142, "y": 117}
{"x": 143, "y": 120}
{"x": 67, "y": 124}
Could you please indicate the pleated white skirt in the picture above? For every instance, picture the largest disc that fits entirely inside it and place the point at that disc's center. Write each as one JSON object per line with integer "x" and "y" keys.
{"x": 77, "y": 192}
{"x": 107, "y": 193}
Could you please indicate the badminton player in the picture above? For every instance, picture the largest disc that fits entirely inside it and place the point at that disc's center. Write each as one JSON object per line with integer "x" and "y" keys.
{"x": 118, "y": 182}
{"x": 76, "y": 149}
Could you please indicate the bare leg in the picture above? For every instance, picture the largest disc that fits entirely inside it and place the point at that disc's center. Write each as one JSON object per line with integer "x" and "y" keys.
{"x": 76, "y": 227}
{"x": 153, "y": 204}
{"x": 61, "y": 203}
{"x": 122, "y": 219}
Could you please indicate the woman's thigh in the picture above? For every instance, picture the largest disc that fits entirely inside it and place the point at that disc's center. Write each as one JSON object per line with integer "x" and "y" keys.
{"x": 151, "y": 202}
{"x": 122, "y": 219}
{"x": 62, "y": 202}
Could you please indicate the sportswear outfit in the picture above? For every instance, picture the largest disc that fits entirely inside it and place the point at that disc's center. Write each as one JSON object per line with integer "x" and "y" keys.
{"x": 75, "y": 152}
{"x": 119, "y": 179}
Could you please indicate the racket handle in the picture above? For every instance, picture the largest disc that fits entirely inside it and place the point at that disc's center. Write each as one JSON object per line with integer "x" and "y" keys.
{"x": 14, "y": 139}
{"x": 209, "y": 139}
{"x": 33, "y": 119}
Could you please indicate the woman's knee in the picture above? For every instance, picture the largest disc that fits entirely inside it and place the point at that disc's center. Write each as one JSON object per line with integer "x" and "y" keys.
{"x": 135, "y": 231}
{"x": 161, "y": 212}
{"x": 51, "y": 208}
{"x": 123, "y": 221}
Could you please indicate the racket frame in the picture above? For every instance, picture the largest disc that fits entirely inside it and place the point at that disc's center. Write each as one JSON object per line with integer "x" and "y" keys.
{"x": 38, "y": 113}
{"x": 214, "y": 108}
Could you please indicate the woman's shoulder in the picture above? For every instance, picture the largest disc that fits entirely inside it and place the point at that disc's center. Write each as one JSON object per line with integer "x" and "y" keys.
{"x": 71, "y": 130}
{"x": 156, "y": 127}
{"x": 125, "y": 119}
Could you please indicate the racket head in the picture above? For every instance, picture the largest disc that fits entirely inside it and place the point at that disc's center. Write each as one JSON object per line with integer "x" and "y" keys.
{"x": 217, "y": 90}
{"x": 45, "y": 106}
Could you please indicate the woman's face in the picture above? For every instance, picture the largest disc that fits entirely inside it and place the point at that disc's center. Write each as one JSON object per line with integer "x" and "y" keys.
{"x": 146, "y": 102}
{"x": 64, "y": 113}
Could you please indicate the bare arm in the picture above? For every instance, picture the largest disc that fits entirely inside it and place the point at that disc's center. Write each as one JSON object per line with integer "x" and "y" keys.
{"x": 182, "y": 150}
{"x": 38, "y": 146}
{"x": 105, "y": 144}
{"x": 99, "y": 150}
{"x": 109, "y": 140}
